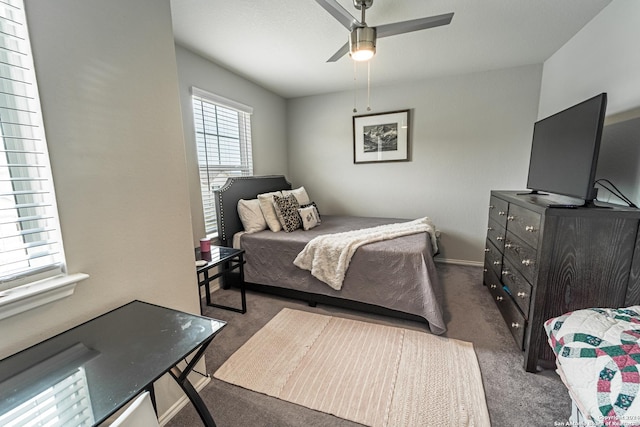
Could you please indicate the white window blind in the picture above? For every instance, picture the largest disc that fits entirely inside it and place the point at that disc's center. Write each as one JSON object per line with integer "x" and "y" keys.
{"x": 223, "y": 142}
{"x": 29, "y": 230}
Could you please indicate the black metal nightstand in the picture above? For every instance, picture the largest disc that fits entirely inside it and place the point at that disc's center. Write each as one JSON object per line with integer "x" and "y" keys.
{"x": 227, "y": 259}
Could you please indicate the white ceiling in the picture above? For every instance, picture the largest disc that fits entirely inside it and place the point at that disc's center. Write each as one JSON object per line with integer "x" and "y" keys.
{"x": 283, "y": 45}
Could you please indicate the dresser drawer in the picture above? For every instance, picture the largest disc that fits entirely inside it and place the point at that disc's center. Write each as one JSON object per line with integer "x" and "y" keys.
{"x": 496, "y": 234}
{"x": 519, "y": 287}
{"x": 498, "y": 210}
{"x": 524, "y": 223}
{"x": 493, "y": 257}
{"x": 521, "y": 255}
{"x": 491, "y": 279}
{"x": 512, "y": 316}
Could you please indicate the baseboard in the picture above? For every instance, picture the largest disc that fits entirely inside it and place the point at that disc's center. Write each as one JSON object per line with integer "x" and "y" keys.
{"x": 181, "y": 403}
{"x": 459, "y": 262}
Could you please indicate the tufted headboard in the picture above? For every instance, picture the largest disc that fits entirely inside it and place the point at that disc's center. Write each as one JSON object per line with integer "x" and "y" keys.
{"x": 242, "y": 187}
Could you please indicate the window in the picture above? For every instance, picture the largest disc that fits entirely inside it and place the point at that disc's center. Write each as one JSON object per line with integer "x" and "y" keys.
{"x": 32, "y": 266}
{"x": 30, "y": 242}
{"x": 223, "y": 143}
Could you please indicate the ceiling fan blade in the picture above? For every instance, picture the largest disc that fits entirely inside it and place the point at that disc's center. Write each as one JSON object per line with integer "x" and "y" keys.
{"x": 340, "y": 53}
{"x": 340, "y": 13}
{"x": 413, "y": 25}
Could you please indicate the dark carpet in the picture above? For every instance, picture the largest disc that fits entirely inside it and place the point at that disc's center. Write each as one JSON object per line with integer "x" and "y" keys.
{"x": 514, "y": 397}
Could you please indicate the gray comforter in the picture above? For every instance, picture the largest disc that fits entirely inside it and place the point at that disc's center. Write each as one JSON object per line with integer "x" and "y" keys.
{"x": 398, "y": 274}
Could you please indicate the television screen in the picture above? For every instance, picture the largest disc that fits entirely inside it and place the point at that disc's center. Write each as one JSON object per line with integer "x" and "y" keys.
{"x": 564, "y": 150}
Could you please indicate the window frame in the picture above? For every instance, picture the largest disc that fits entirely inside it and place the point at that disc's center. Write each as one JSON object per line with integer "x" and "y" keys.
{"x": 216, "y": 173}
{"x": 32, "y": 284}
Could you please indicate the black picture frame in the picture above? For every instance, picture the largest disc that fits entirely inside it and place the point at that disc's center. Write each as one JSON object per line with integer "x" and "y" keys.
{"x": 381, "y": 137}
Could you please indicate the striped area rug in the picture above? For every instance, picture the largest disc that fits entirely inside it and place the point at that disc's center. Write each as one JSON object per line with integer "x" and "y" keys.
{"x": 372, "y": 374}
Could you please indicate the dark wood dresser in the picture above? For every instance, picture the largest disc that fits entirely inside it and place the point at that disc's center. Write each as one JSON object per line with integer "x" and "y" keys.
{"x": 541, "y": 262}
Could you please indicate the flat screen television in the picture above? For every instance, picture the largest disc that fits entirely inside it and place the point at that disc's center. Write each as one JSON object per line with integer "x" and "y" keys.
{"x": 565, "y": 148}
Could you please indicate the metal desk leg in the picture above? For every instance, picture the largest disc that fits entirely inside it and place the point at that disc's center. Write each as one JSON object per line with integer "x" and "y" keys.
{"x": 194, "y": 397}
{"x": 181, "y": 378}
{"x": 152, "y": 394}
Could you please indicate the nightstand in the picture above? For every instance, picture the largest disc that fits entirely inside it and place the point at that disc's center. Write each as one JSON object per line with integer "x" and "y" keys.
{"x": 227, "y": 260}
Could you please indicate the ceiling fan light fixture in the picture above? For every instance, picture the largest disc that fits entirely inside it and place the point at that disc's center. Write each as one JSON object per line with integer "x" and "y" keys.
{"x": 362, "y": 43}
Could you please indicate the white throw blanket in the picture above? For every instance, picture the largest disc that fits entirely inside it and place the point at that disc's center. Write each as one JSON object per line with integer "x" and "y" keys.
{"x": 327, "y": 257}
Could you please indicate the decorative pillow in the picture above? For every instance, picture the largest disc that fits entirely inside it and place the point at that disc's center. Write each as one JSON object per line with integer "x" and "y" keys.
{"x": 300, "y": 194}
{"x": 251, "y": 215}
{"x": 268, "y": 210}
{"x": 287, "y": 211}
{"x": 313, "y": 204}
{"x": 309, "y": 217}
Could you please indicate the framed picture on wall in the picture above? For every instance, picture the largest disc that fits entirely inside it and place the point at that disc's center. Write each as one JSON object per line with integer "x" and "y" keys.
{"x": 381, "y": 137}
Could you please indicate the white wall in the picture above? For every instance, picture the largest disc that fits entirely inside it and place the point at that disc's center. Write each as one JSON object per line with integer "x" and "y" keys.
{"x": 603, "y": 57}
{"x": 267, "y": 122}
{"x": 108, "y": 85}
{"x": 470, "y": 134}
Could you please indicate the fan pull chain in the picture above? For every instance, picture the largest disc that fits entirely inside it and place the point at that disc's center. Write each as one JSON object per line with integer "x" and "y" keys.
{"x": 369, "y": 85}
{"x": 355, "y": 86}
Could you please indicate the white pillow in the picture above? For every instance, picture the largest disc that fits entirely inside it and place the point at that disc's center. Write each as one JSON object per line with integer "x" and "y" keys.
{"x": 268, "y": 210}
{"x": 309, "y": 217}
{"x": 251, "y": 215}
{"x": 315, "y": 208}
{"x": 300, "y": 194}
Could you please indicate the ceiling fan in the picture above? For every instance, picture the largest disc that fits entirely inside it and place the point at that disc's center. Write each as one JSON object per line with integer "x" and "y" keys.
{"x": 362, "y": 40}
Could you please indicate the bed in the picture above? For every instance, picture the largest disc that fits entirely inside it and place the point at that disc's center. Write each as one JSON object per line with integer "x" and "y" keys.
{"x": 598, "y": 359}
{"x": 394, "y": 277}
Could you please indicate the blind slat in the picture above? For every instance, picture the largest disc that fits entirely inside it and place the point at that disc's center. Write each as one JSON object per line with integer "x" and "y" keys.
{"x": 24, "y": 206}
{"x": 17, "y": 221}
{"x": 27, "y": 232}
{"x": 31, "y": 245}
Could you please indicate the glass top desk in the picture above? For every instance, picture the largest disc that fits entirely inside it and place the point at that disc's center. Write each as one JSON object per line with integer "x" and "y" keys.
{"x": 84, "y": 375}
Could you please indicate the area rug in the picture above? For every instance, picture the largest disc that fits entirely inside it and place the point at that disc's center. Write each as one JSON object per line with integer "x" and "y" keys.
{"x": 371, "y": 374}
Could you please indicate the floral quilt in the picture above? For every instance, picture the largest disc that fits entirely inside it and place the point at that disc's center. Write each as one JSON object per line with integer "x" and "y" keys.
{"x": 598, "y": 358}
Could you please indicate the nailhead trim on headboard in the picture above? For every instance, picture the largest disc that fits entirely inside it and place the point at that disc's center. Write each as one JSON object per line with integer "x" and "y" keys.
{"x": 263, "y": 184}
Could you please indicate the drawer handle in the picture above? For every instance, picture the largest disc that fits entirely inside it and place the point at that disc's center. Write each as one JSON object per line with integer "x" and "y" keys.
{"x": 530, "y": 229}
{"x": 490, "y": 228}
{"x": 485, "y": 270}
{"x": 499, "y": 298}
{"x": 527, "y": 262}
{"x": 506, "y": 272}
{"x": 515, "y": 325}
{"x": 499, "y": 238}
{"x": 496, "y": 262}
{"x": 487, "y": 250}
{"x": 522, "y": 294}
{"x": 491, "y": 207}
{"x": 502, "y": 213}
{"x": 493, "y": 286}
{"x": 511, "y": 218}
{"x": 508, "y": 245}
